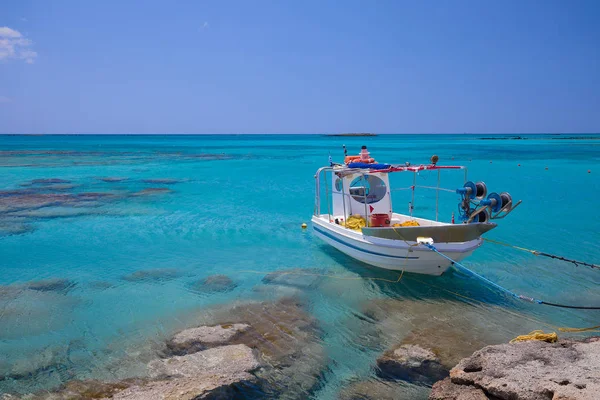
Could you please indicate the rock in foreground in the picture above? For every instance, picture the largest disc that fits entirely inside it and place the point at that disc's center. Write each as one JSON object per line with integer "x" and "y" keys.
{"x": 534, "y": 370}
{"x": 375, "y": 389}
{"x": 216, "y": 373}
{"x": 204, "y": 337}
{"x": 411, "y": 363}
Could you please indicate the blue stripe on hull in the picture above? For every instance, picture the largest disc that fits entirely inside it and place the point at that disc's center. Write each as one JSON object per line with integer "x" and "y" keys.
{"x": 330, "y": 236}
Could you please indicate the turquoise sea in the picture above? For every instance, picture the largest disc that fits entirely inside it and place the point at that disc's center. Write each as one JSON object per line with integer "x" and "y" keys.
{"x": 118, "y": 229}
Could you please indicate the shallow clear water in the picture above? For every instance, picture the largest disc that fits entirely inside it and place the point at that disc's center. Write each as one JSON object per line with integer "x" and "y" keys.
{"x": 182, "y": 208}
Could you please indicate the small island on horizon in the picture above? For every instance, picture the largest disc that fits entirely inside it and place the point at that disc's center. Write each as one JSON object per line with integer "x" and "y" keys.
{"x": 352, "y": 134}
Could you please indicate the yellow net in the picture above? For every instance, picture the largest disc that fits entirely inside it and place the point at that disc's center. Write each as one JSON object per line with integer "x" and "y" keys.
{"x": 355, "y": 222}
{"x": 407, "y": 223}
{"x": 537, "y": 335}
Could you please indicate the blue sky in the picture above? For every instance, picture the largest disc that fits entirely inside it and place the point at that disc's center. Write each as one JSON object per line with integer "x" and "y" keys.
{"x": 299, "y": 66}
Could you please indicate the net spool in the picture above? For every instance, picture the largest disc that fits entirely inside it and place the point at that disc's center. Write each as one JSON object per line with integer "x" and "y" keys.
{"x": 506, "y": 199}
{"x": 474, "y": 190}
{"x": 482, "y": 216}
{"x": 481, "y": 190}
{"x": 494, "y": 202}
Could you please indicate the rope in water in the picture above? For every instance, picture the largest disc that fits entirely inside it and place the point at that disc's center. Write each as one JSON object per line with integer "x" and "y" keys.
{"x": 461, "y": 267}
{"x": 541, "y": 253}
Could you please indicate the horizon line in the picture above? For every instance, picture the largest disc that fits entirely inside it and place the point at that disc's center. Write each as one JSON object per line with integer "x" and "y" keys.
{"x": 365, "y": 134}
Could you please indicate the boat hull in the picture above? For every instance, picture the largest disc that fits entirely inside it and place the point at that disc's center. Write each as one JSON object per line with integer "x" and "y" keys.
{"x": 399, "y": 255}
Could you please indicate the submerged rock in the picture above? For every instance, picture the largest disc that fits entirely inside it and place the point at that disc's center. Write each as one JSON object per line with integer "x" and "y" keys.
{"x": 113, "y": 179}
{"x": 211, "y": 374}
{"x": 446, "y": 390}
{"x": 532, "y": 370}
{"x": 28, "y": 312}
{"x": 89, "y": 389}
{"x": 287, "y": 338}
{"x": 8, "y": 228}
{"x": 302, "y": 278}
{"x": 51, "y": 285}
{"x": 162, "y": 181}
{"x": 153, "y": 275}
{"x": 412, "y": 363}
{"x": 213, "y": 284}
{"x": 48, "y": 181}
{"x": 39, "y": 365}
{"x": 101, "y": 285}
{"x": 277, "y": 291}
{"x": 150, "y": 191}
{"x": 376, "y": 389}
{"x": 28, "y": 200}
{"x": 204, "y": 337}
{"x": 451, "y": 329}
{"x": 257, "y": 350}
{"x": 227, "y": 360}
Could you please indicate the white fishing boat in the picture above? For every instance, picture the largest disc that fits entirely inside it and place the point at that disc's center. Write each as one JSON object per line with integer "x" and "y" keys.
{"x": 361, "y": 223}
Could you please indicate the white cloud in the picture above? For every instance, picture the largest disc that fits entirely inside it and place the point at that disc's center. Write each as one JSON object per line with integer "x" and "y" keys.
{"x": 5, "y": 31}
{"x": 205, "y": 25}
{"x": 14, "y": 46}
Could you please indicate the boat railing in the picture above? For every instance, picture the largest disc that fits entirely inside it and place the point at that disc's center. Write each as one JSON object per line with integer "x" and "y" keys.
{"x": 363, "y": 172}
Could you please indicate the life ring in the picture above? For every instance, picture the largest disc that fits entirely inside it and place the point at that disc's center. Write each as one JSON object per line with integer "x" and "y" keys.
{"x": 351, "y": 159}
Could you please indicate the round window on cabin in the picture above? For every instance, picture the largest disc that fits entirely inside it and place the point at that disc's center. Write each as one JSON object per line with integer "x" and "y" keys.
{"x": 369, "y": 188}
{"x": 338, "y": 184}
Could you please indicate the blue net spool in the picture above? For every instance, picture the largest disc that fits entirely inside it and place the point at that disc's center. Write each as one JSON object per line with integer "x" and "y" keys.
{"x": 470, "y": 189}
{"x": 494, "y": 201}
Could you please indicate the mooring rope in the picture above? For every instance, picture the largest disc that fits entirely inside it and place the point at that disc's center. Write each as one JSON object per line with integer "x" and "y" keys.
{"x": 541, "y": 253}
{"x": 461, "y": 267}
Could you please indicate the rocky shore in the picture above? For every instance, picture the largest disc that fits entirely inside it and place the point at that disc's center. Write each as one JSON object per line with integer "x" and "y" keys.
{"x": 534, "y": 370}
{"x": 273, "y": 348}
{"x": 258, "y": 349}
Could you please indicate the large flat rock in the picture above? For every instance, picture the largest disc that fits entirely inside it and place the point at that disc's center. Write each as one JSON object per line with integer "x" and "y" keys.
{"x": 534, "y": 370}
{"x": 203, "y": 337}
{"x": 225, "y": 360}
{"x": 205, "y": 374}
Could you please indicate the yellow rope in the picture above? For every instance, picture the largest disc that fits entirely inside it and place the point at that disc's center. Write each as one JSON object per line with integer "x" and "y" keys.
{"x": 537, "y": 335}
{"x": 590, "y": 329}
{"x": 534, "y": 252}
